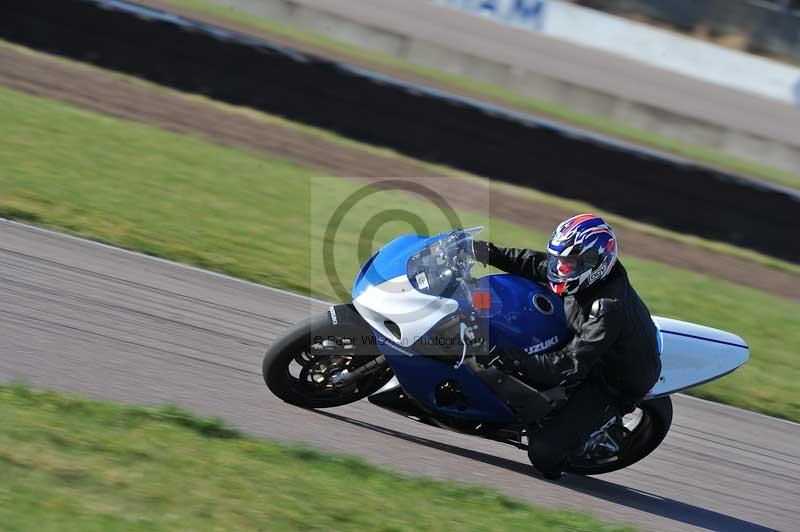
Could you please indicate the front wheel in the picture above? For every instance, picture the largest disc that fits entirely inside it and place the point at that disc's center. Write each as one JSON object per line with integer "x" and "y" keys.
{"x": 311, "y": 365}
{"x": 640, "y": 433}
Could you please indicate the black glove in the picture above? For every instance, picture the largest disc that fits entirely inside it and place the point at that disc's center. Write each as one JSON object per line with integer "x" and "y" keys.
{"x": 483, "y": 251}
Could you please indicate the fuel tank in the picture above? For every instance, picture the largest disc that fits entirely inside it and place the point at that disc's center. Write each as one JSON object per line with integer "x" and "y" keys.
{"x": 524, "y": 314}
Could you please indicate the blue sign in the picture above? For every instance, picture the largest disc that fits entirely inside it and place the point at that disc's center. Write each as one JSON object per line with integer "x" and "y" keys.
{"x": 527, "y": 13}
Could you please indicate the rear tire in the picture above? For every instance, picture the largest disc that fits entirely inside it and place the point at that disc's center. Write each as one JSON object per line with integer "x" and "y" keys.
{"x": 298, "y": 344}
{"x": 641, "y": 441}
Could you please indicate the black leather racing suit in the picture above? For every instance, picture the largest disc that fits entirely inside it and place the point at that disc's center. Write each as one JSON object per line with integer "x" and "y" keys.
{"x": 613, "y": 354}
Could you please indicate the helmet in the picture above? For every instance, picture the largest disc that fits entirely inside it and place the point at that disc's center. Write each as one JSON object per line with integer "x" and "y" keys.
{"x": 582, "y": 250}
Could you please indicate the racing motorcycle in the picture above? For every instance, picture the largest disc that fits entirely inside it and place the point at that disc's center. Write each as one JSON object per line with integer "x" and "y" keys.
{"x": 415, "y": 340}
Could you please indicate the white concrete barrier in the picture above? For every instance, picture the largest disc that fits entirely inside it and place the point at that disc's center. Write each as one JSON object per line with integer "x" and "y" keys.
{"x": 633, "y": 40}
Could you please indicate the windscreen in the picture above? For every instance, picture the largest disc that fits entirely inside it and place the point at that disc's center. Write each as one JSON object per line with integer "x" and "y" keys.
{"x": 442, "y": 269}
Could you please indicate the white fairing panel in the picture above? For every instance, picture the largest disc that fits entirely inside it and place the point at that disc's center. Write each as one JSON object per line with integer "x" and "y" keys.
{"x": 693, "y": 354}
{"x": 396, "y": 300}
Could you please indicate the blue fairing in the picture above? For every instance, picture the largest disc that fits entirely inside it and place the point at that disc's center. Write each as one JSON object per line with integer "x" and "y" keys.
{"x": 420, "y": 376}
{"x": 390, "y": 261}
{"x": 515, "y": 322}
{"x": 522, "y": 314}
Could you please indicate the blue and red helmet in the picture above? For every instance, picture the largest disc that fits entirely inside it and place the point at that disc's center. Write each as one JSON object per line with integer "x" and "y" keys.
{"x": 582, "y": 251}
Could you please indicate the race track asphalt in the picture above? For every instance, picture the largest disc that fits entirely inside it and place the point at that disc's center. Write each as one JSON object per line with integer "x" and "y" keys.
{"x": 583, "y": 66}
{"x": 82, "y": 317}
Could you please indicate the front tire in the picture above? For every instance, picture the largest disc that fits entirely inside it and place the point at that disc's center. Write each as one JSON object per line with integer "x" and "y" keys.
{"x": 301, "y": 370}
{"x": 643, "y": 439}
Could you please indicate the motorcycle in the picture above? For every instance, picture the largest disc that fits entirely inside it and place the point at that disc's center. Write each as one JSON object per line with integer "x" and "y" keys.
{"x": 416, "y": 340}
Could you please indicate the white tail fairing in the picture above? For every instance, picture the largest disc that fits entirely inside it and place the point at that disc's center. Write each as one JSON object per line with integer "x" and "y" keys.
{"x": 693, "y": 354}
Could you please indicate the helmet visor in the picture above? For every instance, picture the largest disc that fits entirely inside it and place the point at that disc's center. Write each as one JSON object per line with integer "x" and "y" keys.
{"x": 560, "y": 269}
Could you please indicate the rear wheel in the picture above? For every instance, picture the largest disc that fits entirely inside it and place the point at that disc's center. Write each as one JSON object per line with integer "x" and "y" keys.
{"x": 621, "y": 445}
{"x": 311, "y": 365}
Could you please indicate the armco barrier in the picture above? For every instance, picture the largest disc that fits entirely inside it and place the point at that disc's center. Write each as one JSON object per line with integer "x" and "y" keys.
{"x": 420, "y": 122}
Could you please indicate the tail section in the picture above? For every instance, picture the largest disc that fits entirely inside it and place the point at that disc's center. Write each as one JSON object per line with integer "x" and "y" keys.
{"x": 693, "y": 354}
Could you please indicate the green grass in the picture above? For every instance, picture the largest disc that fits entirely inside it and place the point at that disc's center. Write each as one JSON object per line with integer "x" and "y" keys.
{"x": 67, "y": 463}
{"x": 433, "y": 169}
{"x": 572, "y": 205}
{"x": 263, "y": 219}
{"x": 559, "y": 112}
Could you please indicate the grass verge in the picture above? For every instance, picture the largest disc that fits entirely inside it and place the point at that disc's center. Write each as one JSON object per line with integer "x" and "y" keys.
{"x": 435, "y": 169}
{"x": 68, "y": 463}
{"x": 601, "y": 125}
{"x": 264, "y": 219}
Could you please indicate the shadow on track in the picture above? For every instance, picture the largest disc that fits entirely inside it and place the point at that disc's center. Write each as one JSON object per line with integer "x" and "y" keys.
{"x": 601, "y": 489}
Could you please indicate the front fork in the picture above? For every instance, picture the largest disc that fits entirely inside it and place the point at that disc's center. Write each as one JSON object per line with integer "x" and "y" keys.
{"x": 347, "y": 315}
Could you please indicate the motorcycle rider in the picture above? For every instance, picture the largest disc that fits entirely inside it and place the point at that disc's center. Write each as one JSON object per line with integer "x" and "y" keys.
{"x": 613, "y": 357}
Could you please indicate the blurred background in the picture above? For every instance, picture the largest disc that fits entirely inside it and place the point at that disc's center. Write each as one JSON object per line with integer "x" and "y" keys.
{"x": 227, "y": 134}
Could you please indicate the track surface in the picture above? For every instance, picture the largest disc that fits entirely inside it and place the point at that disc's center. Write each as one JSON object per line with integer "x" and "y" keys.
{"x": 586, "y": 67}
{"x": 79, "y": 316}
